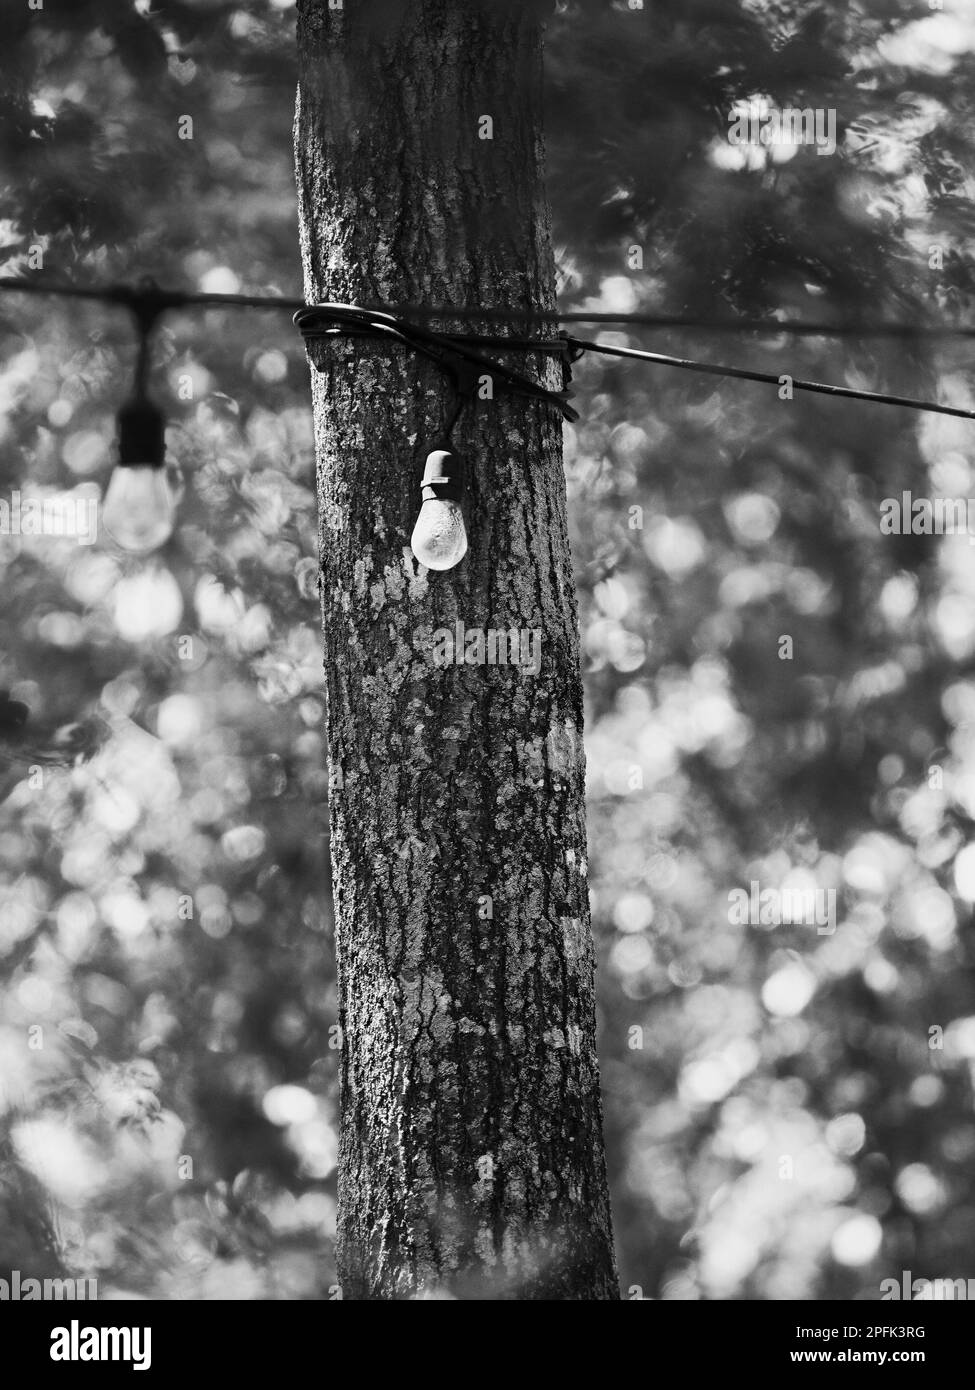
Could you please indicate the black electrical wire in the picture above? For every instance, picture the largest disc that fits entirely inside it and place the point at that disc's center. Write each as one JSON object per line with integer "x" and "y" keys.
{"x": 452, "y": 353}
{"x": 147, "y": 292}
{"x": 765, "y": 327}
{"x": 176, "y": 299}
{"x": 458, "y": 354}
{"x": 745, "y": 374}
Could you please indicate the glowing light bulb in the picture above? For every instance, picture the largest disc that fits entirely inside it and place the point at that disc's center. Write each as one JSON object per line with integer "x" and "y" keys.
{"x": 439, "y": 539}
{"x": 139, "y": 507}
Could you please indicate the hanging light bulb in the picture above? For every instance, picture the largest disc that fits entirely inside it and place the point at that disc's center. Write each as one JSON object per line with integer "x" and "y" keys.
{"x": 139, "y": 507}
{"x": 439, "y": 540}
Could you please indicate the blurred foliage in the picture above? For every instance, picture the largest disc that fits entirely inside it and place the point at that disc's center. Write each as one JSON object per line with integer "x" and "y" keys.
{"x": 779, "y": 1123}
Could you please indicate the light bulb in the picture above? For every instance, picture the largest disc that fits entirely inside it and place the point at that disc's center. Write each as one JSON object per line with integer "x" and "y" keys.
{"x": 139, "y": 507}
{"x": 439, "y": 539}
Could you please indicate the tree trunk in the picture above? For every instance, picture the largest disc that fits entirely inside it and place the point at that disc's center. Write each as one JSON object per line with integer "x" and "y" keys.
{"x": 471, "y": 1160}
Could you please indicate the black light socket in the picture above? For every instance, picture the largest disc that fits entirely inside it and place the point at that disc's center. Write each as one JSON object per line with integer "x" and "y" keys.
{"x": 444, "y": 477}
{"x": 141, "y": 435}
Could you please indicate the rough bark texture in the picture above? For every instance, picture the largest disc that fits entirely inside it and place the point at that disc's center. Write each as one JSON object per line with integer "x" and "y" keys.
{"x": 472, "y": 1155}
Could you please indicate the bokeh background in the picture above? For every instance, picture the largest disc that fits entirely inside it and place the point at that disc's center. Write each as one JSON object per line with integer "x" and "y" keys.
{"x": 789, "y": 1114}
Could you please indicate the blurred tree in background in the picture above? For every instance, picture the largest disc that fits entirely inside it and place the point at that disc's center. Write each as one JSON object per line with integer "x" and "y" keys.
{"x": 789, "y": 1113}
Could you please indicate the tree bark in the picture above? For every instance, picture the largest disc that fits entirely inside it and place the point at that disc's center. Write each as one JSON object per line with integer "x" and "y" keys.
{"x": 471, "y": 1160}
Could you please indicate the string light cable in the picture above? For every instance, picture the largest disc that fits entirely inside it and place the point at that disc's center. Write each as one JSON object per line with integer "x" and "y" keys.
{"x": 140, "y": 506}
